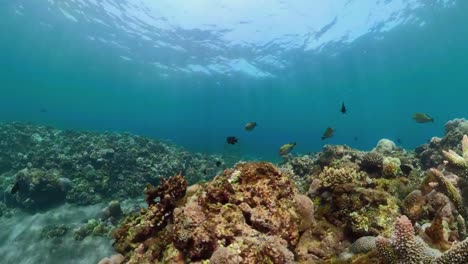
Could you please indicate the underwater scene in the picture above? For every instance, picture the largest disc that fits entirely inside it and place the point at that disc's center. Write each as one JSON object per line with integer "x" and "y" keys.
{"x": 231, "y": 132}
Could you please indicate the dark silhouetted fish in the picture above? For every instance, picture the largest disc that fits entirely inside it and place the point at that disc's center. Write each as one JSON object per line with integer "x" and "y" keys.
{"x": 328, "y": 133}
{"x": 422, "y": 118}
{"x": 398, "y": 140}
{"x": 218, "y": 163}
{"x": 286, "y": 148}
{"x": 43, "y": 110}
{"x": 355, "y": 138}
{"x": 343, "y": 108}
{"x": 204, "y": 171}
{"x": 15, "y": 188}
{"x": 250, "y": 126}
{"x": 231, "y": 140}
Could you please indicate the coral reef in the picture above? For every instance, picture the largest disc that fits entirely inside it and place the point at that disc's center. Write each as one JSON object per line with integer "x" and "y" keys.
{"x": 431, "y": 155}
{"x": 249, "y": 214}
{"x": 405, "y": 247}
{"x": 372, "y": 161}
{"x": 38, "y": 189}
{"x": 332, "y": 177}
{"x": 87, "y": 168}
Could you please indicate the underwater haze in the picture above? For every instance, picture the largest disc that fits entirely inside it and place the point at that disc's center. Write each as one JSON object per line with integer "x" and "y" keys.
{"x": 123, "y": 124}
{"x": 195, "y": 71}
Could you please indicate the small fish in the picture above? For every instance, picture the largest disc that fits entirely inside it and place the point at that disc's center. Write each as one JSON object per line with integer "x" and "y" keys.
{"x": 218, "y": 163}
{"x": 422, "y": 118}
{"x": 356, "y": 139}
{"x": 250, "y": 126}
{"x": 231, "y": 140}
{"x": 204, "y": 171}
{"x": 286, "y": 148}
{"x": 15, "y": 188}
{"x": 398, "y": 140}
{"x": 343, "y": 108}
{"x": 43, "y": 110}
{"x": 328, "y": 133}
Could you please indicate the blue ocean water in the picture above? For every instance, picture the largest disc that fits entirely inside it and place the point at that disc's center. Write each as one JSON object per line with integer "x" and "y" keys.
{"x": 194, "y": 72}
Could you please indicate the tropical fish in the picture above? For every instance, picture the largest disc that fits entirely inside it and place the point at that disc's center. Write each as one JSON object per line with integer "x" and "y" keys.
{"x": 398, "y": 140}
{"x": 343, "y": 108}
{"x": 422, "y": 118}
{"x": 15, "y": 188}
{"x": 286, "y": 148}
{"x": 328, "y": 133}
{"x": 218, "y": 163}
{"x": 250, "y": 126}
{"x": 231, "y": 140}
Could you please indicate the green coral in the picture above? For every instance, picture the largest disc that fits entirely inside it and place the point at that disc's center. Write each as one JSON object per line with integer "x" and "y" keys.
{"x": 391, "y": 167}
{"x": 458, "y": 163}
{"x": 448, "y": 189}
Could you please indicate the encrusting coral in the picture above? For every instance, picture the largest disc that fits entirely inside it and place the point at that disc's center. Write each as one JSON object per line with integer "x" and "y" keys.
{"x": 249, "y": 214}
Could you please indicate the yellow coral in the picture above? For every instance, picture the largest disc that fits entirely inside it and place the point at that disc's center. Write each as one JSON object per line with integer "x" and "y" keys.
{"x": 391, "y": 167}
{"x": 331, "y": 177}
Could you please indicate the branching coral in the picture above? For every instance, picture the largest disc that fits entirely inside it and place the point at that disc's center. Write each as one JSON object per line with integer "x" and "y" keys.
{"x": 447, "y": 188}
{"x": 405, "y": 247}
{"x": 331, "y": 177}
{"x": 457, "y": 163}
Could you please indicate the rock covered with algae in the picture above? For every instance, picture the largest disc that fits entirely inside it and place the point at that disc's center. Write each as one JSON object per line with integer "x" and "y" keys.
{"x": 249, "y": 214}
{"x": 85, "y": 167}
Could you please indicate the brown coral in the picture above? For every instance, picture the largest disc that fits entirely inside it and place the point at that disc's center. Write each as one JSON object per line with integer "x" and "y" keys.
{"x": 249, "y": 214}
{"x": 146, "y": 231}
{"x": 331, "y": 177}
{"x": 413, "y": 205}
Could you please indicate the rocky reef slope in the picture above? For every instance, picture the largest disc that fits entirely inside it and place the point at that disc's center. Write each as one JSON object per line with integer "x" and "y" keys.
{"x": 46, "y": 166}
{"x": 340, "y": 205}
